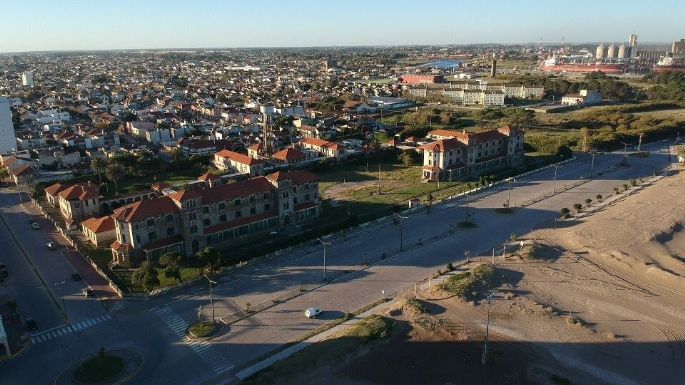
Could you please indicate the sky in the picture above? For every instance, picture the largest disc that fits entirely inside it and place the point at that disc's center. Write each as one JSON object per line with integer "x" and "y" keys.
{"x": 50, "y": 25}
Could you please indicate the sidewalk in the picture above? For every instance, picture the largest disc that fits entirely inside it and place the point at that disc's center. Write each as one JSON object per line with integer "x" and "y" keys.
{"x": 95, "y": 281}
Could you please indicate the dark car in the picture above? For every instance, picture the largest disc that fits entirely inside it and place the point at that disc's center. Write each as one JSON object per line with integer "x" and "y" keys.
{"x": 88, "y": 293}
{"x": 76, "y": 277}
{"x": 31, "y": 324}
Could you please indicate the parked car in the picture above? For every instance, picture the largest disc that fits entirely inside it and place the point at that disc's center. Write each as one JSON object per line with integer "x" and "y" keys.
{"x": 31, "y": 324}
{"x": 88, "y": 293}
{"x": 312, "y": 312}
{"x": 35, "y": 225}
{"x": 51, "y": 245}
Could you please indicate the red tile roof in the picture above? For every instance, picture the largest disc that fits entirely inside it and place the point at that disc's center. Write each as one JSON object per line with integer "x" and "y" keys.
{"x": 240, "y": 222}
{"x": 99, "y": 225}
{"x": 54, "y": 189}
{"x": 297, "y": 177}
{"x": 321, "y": 143}
{"x": 144, "y": 209}
{"x": 226, "y": 192}
{"x": 240, "y": 158}
{"x": 207, "y": 176}
{"x": 289, "y": 154}
{"x": 443, "y": 145}
{"x": 21, "y": 170}
{"x": 120, "y": 247}
{"x": 80, "y": 191}
{"x": 158, "y": 244}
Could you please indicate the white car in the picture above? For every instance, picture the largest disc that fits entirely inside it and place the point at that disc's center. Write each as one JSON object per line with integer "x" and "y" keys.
{"x": 51, "y": 245}
{"x": 312, "y": 312}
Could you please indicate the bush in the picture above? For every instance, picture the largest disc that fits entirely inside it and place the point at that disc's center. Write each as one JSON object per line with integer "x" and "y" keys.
{"x": 467, "y": 283}
{"x": 578, "y": 207}
{"x": 450, "y": 267}
{"x": 588, "y": 201}
{"x": 565, "y": 212}
{"x": 100, "y": 368}
{"x": 202, "y": 329}
{"x": 599, "y": 197}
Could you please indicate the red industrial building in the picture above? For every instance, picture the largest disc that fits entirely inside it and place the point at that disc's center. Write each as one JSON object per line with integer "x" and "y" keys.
{"x": 421, "y": 79}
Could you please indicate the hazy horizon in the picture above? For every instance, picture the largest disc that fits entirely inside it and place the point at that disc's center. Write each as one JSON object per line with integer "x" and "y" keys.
{"x": 78, "y": 25}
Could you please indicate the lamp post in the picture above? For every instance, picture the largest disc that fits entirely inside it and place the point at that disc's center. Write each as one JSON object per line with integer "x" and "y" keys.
{"x": 487, "y": 333}
{"x": 509, "y": 193}
{"x": 625, "y": 151}
{"x": 556, "y": 168}
{"x": 324, "y": 244}
{"x": 400, "y": 218}
{"x": 211, "y": 297}
{"x": 592, "y": 165}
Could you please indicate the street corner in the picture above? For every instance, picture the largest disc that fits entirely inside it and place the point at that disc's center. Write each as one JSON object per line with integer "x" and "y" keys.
{"x": 13, "y": 335}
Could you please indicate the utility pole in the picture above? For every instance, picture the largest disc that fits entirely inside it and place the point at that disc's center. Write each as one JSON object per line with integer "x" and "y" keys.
{"x": 484, "y": 358}
{"x": 639, "y": 143}
{"x": 324, "y": 256}
{"x": 211, "y": 297}
{"x": 509, "y": 195}
{"x": 592, "y": 165}
{"x": 466, "y": 198}
{"x": 625, "y": 152}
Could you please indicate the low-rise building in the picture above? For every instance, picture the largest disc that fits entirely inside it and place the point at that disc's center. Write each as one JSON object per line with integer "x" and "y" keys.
{"x": 99, "y": 231}
{"x": 322, "y": 147}
{"x": 457, "y": 155}
{"x": 75, "y": 201}
{"x": 188, "y": 221}
{"x": 240, "y": 163}
{"x": 583, "y": 98}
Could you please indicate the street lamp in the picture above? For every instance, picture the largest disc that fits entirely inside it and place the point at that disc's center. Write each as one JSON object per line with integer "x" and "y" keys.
{"x": 625, "y": 151}
{"x": 487, "y": 332}
{"x": 592, "y": 164}
{"x": 556, "y": 168}
{"x": 211, "y": 297}
{"x": 324, "y": 244}
{"x": 399, "y": 218}
{"x": 509, "y": 193}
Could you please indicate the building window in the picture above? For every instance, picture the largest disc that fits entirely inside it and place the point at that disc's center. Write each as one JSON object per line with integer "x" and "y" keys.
{"x": 222, "y": 217}
{"x": 222, "y": 206}
{"x": 170, "y": 231}
{"x": 306, "y": 197}
{"x": 205, "y": 210}
{"x": 150, "y": 222}
{"x": 193, "y": 228}
{"x": 253, "y": 210}
{"x": 151, "y": 236}
{"x": 267, "y": 207}
{"x": 236, "y": 202}
{"x": 169, "y": 218}
{"x": 238, "y": 214}
{"x": 208, "y": 222}
{"x": 295, "y": 200}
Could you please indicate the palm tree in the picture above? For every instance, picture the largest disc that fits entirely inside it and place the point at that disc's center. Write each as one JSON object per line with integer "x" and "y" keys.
{"x": 115, "y": 173}
{"x": 99, "y": 165}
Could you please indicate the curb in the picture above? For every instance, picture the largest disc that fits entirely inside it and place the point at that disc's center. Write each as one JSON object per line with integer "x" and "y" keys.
{"x": 19, "y": 353}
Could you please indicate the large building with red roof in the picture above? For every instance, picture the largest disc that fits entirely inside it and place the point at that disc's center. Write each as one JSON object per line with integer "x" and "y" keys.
{"x": 75, "y": 201}
{"x": 240, "y": 163}
{"x": 190, "y": 220}
{"x": 460, "y": 154}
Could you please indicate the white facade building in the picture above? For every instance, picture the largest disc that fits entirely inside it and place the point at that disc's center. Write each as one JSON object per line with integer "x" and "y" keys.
{"x": 8, "y": 140}
{"x": 27, "y": 79}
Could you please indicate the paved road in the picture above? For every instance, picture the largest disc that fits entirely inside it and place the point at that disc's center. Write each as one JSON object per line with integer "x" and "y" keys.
{"x": 155, "y": 327}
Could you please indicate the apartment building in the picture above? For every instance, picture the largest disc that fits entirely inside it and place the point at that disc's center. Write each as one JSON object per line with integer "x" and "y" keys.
{"x": 188, "y": 221}
{"x": 457, "y": 155}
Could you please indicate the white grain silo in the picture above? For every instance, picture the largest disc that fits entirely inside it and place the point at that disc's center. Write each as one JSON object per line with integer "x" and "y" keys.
{"x": 611, "y": 52}
{"x": 622, "y": 52}
{"x": 600, "y": 51}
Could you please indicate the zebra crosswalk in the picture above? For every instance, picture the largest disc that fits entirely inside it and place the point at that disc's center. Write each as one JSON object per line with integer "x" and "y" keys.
{"x": 67, "y": 329}
{"x": 202, "y": 348}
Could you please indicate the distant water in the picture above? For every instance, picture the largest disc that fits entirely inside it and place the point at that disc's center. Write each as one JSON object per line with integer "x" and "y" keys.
{"x": 443, "y": 64}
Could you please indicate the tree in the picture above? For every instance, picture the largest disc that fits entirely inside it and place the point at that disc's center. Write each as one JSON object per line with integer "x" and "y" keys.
{"x": 599, "y": 197}
{"x": 4, "y": 173}
{"x": 588, "y": 201}
{"x": 99, "y": 165}
{"x": 211, "y": 257}
{"x": 565, "y": 212}
{"x": 171, "y": 263}
{"x": 409, "y": 157}
{"x": 578, "y": 207}
{"x": 115, "y": 173}
{"x": 146, "y": 276}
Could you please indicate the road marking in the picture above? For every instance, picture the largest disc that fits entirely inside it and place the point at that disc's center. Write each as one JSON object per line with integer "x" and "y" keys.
{"x": 203, "y": 349}
{"x": 47, "y": 335}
